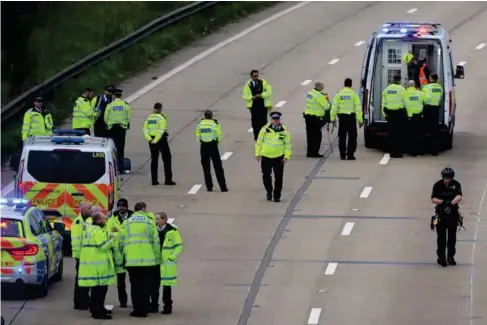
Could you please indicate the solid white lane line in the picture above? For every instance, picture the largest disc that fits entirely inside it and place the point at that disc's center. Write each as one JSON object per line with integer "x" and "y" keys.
{"x": 462, "y": 63}
{"x": 170, "y": 220}
{"x": 195, "y": 189}
{"x": 359, "y": 43}
{"x": 366, "y": 192}
{"x": 385, "y": 159}
{"x": 334, "y": 61}
{"x": 7, "y": 189}
{"x": 412, "y": 10}
{"x": 314, "y": 316}
{"x": 347, "y": 229}
{"x": 280, "y": 104}
{"x": 226, "y": 155}
{"x": 306, "y": 82}
{"x": 109, "y": 307}
{"x": 250, "y": 130}
{"x": 331, "y": 268}
{"x": 480, "y": 46}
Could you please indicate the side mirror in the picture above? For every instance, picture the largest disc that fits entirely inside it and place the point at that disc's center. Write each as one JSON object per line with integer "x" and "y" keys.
{"x": 14, "y": 162}
{"x": 126, "y": 166}
{"x": 460, "y": 72}
{"x": 59, "y": 226}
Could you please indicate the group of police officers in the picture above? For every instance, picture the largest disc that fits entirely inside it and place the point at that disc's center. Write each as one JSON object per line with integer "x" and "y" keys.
{"x": 140, "y": 242}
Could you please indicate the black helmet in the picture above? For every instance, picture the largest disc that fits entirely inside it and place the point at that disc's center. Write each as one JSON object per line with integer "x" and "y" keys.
{"x": 447, "y": 172}
{"x": 122, "y": 202}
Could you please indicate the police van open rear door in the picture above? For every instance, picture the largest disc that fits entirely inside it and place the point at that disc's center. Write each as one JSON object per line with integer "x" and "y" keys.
{"x": 364, "y": 92}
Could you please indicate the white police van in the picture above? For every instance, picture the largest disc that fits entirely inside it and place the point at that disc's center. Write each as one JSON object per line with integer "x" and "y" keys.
{"x": 383, "y": 60}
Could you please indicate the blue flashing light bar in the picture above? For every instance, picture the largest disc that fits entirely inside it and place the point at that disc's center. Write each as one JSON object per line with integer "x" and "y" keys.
{"x": 59, "y": 140}
{"x": 68, "y": 132}
{"x": 13, "y": 202}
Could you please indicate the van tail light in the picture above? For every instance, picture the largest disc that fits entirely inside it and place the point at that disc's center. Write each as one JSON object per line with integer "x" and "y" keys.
{"x": 450, "y": 103}
{"x": 26, "y": 250}
{"x": 111, "y": 198}
{"x": 366, "y": 102}
{"x": 20, "y": 186}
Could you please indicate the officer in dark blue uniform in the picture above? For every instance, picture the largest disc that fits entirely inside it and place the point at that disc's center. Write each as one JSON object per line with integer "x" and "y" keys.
{"x": 100, "y": 103}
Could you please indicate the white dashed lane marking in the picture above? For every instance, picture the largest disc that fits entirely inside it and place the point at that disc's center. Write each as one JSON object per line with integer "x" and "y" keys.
{"x": 280, "y": 104}
{"x": 195, "y": 189}
{"x": 480, "y": 46}
{"x": 314, "y": 316}
{"x": 347, "y": 229}
{"x": 306, "y": 82}
{"x": 250, "y": 130}
{"x": 385, "y": 159}
{"x": 331, "y": 268}
{"x": 412, "y": 10}
{"x": 366, "y": 192}
{"x": 226, "y": 155}
{"x": 462, "y": 63}
{"x": 359, "y": 43}
{"x": 334, "y": 61}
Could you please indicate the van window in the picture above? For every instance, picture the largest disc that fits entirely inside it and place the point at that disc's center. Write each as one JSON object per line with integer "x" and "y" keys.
{"x": 66, "y": 166}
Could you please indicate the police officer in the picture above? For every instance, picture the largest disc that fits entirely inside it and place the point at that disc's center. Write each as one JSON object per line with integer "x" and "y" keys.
{"x": 393, "y": 111}
{"x": 117, "y": 118}
{"x": 96, "y": 265}
{"x": 316, "y": 116}
{"x": 446, "y": 194}
{"x": 155, "y": 131}
{"x": 114, "y": 223}
{"x": 257, "y": 94}
{"x": 431, "y": 112}
{"x": 37, "y": 121}
{"x": 346, "y": 104}
{"x": 99, "y": 104}
{"x": 83, "y": 113}
{"x": 209, "y": 134}
{"x": 81, "y": 294}
{"x": 414, "y": 101}
{"x": 273, "y": 150}
{"x": 140, "y": 241}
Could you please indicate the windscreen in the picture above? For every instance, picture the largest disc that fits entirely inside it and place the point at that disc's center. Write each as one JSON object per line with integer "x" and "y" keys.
{"x": 11, "y": 228}
{"x": 66, "y": 166}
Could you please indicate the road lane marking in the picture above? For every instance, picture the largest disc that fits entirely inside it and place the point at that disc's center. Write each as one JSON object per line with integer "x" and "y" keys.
{"x": 226, "y": 155}
{"x": 109, "y": 307}
{"x": 347, "y": 229}
{"x": 331, "y": 268}
{"x": 250, "y": 130}
{"x": 334, "y": 61}
{"x": 462, "y": 63}
{"x": 412, "y": 10}
{"x": 314, "y": 316}
{"x": 480, "y": 46}
{"x": 280, "y": 104}
{"x": 195, "y": 189}
{"x": 306, "y": 82}
{"x": 385, "y": 159}
{"x": 366, "y": 192}
{"x": 359, "y": 43}
{"x": 211, "y": 50}
{"x": 170, "y": 220}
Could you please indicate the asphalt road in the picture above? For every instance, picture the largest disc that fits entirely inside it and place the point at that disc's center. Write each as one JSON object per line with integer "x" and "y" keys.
{"x": 350, "y": 241}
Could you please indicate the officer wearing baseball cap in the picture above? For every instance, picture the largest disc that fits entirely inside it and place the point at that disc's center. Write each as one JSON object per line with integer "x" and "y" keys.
{"x": 99, "y": 105}
{"x": 273, "y": 150}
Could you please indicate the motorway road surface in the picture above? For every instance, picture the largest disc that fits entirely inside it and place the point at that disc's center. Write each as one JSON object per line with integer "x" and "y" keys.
{"x": 332, "y": 252}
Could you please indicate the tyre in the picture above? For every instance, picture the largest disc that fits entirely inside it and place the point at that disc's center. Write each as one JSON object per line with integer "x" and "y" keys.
{"x": 59, "y": 273}
{"x": 43, "y": 289}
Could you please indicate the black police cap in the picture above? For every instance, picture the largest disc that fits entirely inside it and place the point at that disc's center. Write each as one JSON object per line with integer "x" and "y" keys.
{"x": 275, "y": 114}
{"x": 110, "y": 88}
{"x": 39, "y": 99}
{"x": 117, "y": 91}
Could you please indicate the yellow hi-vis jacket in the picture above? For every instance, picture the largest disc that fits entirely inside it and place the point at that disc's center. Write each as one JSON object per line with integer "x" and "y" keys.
{"x": 266, "y": 94}
{"x": 77, "y": 233}
{"x": 118, "y": 112}
{"x": 83, "y": 114}
{"x": 35, "y": 124}
{"x": 272, "y": 144}
{"x": 155, "y": 126}
{"x": 140, "y": 241}
{"x": 172, "y": 248}
{"x": 346, "y": 101}
{"x": 392, "y": 98}
{"x": 114, "y": 222}
{"x": 208, "y": 131}
{"x": 434, "y": 93}
{"x": 414, "y": 101}
{"x": 316, "y": 103}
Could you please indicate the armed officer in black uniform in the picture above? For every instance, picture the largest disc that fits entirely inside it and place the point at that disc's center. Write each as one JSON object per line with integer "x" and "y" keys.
{"x": 99, "y": 104}
{"x": 447, "y": 193}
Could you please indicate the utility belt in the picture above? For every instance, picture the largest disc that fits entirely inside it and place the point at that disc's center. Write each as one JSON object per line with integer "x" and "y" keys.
{"x": 213, "y": 142}
{"x": 436, "y": 219}
{"x": 164, "y": 136}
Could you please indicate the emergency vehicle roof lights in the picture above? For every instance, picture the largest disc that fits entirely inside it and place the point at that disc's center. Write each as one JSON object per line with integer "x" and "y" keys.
{"x": 13, "y": 202}
{"x": 58, "y": 140}
{"x": 68, "y": 132}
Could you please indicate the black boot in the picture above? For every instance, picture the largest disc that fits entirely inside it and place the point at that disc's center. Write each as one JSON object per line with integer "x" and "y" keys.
{"x": 269, "y": 197}
{"x": 166, "y": 310}
{"x": 442, "y": 262}
{"x": 451, "y": 261}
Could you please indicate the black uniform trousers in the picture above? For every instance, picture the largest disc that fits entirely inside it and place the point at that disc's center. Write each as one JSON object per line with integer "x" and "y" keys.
{"x": 416, "y": 135}
{"x": 396, "y": 120}
{"x": 431, "y": 115}
{"x": 162, "y": 146}
{"x": 87, "y": 131}
{"x": 314, "y": 124}
{"x": 209, "y": 153}
{"x": 347, "y": 128}
{"x": 100, "y": 128}
{"x": 117, "y": 133}
{"x": 268, "y": 165}
{"x": 258, "y": 113}
{"x": 122, "y": 288}
{"x": 446, "y": 230}
{"x": 97, "y": 302}
{"x": 155, "y": 281}
{"x": 140, "y": 288}
{"x": 81, "y": 294}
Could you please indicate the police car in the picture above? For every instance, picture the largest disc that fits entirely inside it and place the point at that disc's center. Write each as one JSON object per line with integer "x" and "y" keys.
{"x": 32, "y": 252}
{"x": 383, "y": 60}
{"x": 56, "y": 173}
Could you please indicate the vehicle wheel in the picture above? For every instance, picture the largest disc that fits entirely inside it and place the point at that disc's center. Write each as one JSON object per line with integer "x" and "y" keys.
{"x": 368, "y": 140}
{"x": 43, "y": 289}
{"x": 59, "y": 273}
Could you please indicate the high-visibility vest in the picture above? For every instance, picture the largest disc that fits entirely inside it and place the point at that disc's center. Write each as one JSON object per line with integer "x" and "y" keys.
{"x": 422, "y": 76}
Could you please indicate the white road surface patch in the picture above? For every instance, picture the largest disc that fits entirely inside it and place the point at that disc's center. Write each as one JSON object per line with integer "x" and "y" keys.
{"x": 227, "y": 155}
{"x": 347, "y": 229}
{"x": 109, "y": 307}
{"x": 385, "y": 159}
{"x": 480, "y": 46}
{"x": 306, "y": 82}
{"x": 412, "y": 10}
{"x": 334, "y": 61}
{"x": 331, "y": 268}
{"x": 314, "y": 316}
{"x": 195, "y": 189}
{"x": 280, "y": 104}
{"x": 359, "y": 43}
{"x": 462, "y": 63}
{"x": 366, "y": 192}
{"x": 170, "y": 220}
{"x": 250, "y": 130}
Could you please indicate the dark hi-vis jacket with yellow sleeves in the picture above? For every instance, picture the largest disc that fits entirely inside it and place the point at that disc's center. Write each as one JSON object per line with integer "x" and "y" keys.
{"x": 346, "y": 101}
{"x": 36, "y": 123}
{"x": 266, "y": 93}
{"x": 209, "y": 130}
{"x": 140, "y": 241}
{"x": 392, "y": 98}
{"x": 155, "y": 126}
{"x": 118, "y": 112}
{"x": 83, "y": 113}
{"x": 172, "y": 248}
{"x": 114, "y": 222}
{"x": 273, "y": 143}
{"x": 316, "y": 103}
{"x": 414, "y": 101}
{"x": 434, "y": 93}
